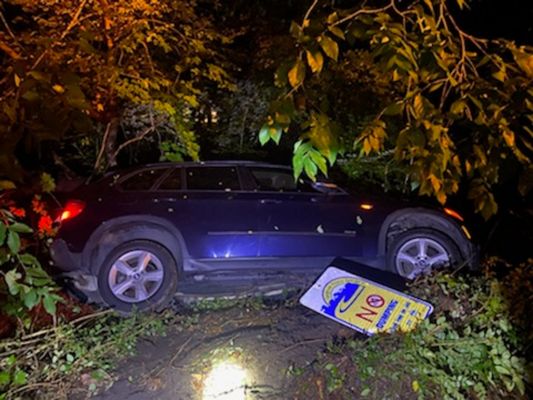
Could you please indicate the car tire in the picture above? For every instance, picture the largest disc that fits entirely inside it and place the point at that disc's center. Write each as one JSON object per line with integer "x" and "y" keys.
{"x": 420, "y": 251}
{"x": 138, "y": 276}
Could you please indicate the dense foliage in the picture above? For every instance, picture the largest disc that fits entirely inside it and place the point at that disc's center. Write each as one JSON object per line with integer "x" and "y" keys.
{"x": 458, "y": 108}
{"x": 72, "y": 69}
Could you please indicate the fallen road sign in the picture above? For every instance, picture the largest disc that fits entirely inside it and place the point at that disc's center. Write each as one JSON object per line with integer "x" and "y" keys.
{"x": 363, "y": 305}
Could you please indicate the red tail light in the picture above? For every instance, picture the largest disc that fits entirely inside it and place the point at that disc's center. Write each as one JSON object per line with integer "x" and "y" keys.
{"x": 71, "y": 210}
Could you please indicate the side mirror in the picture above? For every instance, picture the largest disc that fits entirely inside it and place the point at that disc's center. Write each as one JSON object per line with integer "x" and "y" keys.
{"x": 325, "y": 187}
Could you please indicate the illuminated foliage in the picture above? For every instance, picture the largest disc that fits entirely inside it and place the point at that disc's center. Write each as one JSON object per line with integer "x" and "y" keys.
{"x": 459, "y": 108}
{"x": 73, "y": 66}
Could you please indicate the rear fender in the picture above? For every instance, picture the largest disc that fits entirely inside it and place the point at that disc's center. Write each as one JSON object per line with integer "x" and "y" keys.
{"x": 117, "y": 231}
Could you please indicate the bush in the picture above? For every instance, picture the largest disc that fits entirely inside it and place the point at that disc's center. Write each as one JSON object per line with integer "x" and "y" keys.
{"x": 23, "y": 282}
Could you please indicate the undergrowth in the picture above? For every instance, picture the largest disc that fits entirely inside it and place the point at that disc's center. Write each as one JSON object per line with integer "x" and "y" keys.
{"x": 475, "y": 346}
{"x": 80, "y": 354}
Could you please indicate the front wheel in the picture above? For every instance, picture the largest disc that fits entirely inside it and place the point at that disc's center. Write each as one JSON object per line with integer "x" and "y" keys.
{"x": 421, "y": 251}
{"x": 138, "y": 275}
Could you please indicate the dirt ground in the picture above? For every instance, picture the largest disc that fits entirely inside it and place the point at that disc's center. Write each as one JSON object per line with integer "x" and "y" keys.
{"x": 266, "y": 344}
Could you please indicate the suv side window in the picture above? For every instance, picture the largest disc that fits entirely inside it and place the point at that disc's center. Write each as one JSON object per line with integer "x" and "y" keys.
{"x": 142, "y": 180}
{"x": 213, "y": 178}
{"x": 278, "y": 180}
{"x": 172, "y": 181}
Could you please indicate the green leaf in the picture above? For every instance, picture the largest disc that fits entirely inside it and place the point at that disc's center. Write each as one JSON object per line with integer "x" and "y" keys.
{"x": 3, "y": 231}
{"x": 11, "y": 278}
{"x": 49, "y": 303}
{"x": 5, "y": 378}
{"x": 264, "y": 135}
{"x": 310, "y": 168}
{"x": 20, "y": 228}
{"x": 297, "y": 165}
{"x": 13, "y": 242}
{"x": 20, "y": 378}
{"x": 320, "y": 161}
{"x": 330, "y": 47}
{"x": 11, "y": 360}
{"x": 31, "y": 299}
{"x": 315, "y": 60}
{"x": 297, "y": 73}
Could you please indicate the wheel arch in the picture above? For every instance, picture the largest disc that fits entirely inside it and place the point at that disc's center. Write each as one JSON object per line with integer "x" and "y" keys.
{"x": 117, "y": 231}
{"x": 417, "y": 217}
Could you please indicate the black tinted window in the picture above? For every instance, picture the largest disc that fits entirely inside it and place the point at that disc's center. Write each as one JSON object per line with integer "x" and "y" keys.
{"x": 143, "y": 180}
{"x": 172, "y": 181}
{"x": 279, "y": 180}
{"x": 212, "y": 178}
{"x": 269, "y": 179}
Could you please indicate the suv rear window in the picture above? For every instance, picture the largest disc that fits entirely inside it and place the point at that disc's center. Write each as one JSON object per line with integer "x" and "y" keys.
{"x": 213, "y": 178}
{"x": 143, "y": 180}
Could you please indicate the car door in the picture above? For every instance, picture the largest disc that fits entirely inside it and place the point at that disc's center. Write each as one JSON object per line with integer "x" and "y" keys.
{"x": 297, "y": 220}
{"x": 216, "y": 217}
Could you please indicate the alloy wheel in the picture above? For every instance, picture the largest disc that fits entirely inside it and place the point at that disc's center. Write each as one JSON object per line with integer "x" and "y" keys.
{"x": 136, "y": 276}
{"x": 420, "y": 255}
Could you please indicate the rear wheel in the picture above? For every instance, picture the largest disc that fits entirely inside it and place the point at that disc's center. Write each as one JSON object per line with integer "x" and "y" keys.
{"x": 420, "y": 251}
{"x": 139, "y": 275}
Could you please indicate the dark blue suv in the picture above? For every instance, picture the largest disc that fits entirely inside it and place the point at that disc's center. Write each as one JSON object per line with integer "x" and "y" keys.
{"x": 136, "y": 237}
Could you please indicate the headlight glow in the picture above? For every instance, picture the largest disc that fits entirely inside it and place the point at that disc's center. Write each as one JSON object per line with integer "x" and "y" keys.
{"x": 225, "y": 381}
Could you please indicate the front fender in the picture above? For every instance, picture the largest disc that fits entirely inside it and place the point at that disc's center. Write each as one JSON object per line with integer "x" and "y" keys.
{"x": 419, "y": 217}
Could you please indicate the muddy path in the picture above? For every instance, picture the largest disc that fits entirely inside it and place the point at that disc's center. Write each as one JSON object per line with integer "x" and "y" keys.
{"x": 254, "y": 350}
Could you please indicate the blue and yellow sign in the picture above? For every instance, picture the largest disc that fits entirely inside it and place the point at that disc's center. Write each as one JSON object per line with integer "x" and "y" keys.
{"x": 363, "y": 305}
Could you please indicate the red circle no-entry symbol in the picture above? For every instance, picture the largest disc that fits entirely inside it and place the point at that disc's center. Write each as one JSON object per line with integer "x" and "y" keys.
{"x": 375, "y": 301}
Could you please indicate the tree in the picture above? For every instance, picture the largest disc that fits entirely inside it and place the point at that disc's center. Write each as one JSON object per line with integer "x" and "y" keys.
{"x": 459, "y": 108}
{"x": 72, "y": 67}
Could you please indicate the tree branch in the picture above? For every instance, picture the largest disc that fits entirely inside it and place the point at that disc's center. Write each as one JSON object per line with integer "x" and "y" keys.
{"x": 73, "y": 22}
{"x": 309, "y": 11}
{"x": 363, "y": 11}
{"x": 9, "y": 51}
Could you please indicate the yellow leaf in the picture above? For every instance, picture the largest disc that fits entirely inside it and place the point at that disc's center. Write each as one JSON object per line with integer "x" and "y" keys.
{"x": 508, "y": 136}
{"x": 315, "y": 61}
{"x": 58, "y": 89}
{"x": 100, "y": 107}
{"x": 416, "y": 386}
{"x": 367, "y": 147}
{"x": 468, "y": 167}
{"x": 395, "y": 75}
{"x": 499, "y": 75}
{"x": 435, "y": 182}
{"x": 297, "y": 73}
{"x": 17, "y": 80}
{"x": 441, "y": 197}
{"x": 330, "y": 47}
{"x": 4, "y": 185}
{"x": 524, "y": 61}
{"x": 418, "y": 105}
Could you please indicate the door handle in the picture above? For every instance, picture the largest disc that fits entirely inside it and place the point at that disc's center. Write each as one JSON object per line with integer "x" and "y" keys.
{"x": 270, "y": 201}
